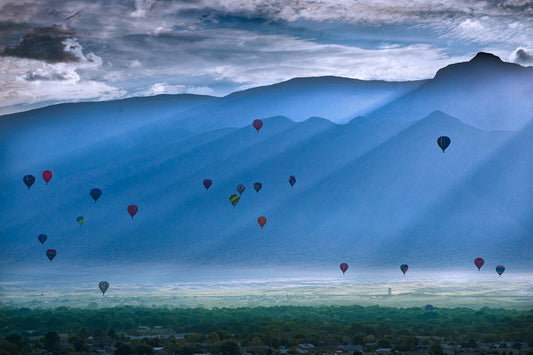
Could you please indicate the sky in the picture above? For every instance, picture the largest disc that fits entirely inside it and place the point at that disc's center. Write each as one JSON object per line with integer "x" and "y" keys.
{"x": 55, "y": 51}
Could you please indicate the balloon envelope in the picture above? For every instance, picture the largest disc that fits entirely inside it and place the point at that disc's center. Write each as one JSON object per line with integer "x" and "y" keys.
{"x": 240, "y": 188}
{"x": 132, "y": 210}
{"x": 42, "y": 238}
{"x": 262, "y": 221}
{"x": 257, "y": 186}
{"x": 292, "y": 180}
{"x": 257, "y": 124}
{"x": 51, "y": 254}
{"x": 234, "y": 199}
{"x": 428, "y": 307}
{"x": 80, "y": 220}
{"x": 343, "y": 267}
{"x": 404, "y": 268}
{"x": 443, "y": 142}
{"x": 500, "y": 269}
{"x": 95, "y": 194}
{"x": 47, "y": 176}
{"x": 208, "y": 183}
{"x": 28, "y": 180}
{"x": 479, "y": 263}
{"x": 103, "y": 286}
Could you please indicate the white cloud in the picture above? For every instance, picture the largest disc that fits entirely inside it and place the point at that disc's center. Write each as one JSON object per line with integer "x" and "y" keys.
{"x": 142, "y": 7}
{"x": 246, "y": 57}
{"x": 165, "y": 88}
{"x": 30, "y": 81}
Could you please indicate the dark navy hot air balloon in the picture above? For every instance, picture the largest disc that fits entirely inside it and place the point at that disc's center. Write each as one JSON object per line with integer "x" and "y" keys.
{"x": 479, "y": 262}
{"x": 95, "y": 194}
{"x": 343, "y": 267}
{"x": 257, "y": 186}
{"x": 500, "y": 269}
{"x": 429, "y": 307}
{"x": 103, "y": 286}
{"x": 292, "y": 180}
{"x": 42, "y": 238}
{"x": 240, "y": 188}
{"x": 404, "y": 268}
{"x": 132, "y": 210}
{"x": 262, "y": 221}
{"x": 51, "y": 254}
{"x": 208, "y": 183}
{"x": 257, "y": 125}
{"x": 443, "y": 142}
{"x": 28, "y": 180}
{"x": 47, "y": 176}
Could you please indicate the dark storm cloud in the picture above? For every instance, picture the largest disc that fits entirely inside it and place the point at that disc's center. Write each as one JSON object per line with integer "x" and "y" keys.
{"x": 522, "y": 56}
{"x": 43, "y": 43}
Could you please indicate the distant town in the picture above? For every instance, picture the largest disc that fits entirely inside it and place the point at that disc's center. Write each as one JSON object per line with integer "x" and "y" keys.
{"x": 293, "y": 330}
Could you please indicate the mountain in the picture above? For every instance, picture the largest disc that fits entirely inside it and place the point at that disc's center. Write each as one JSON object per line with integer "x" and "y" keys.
{"x": 485, "y": 92}
{"x": 367, "y": 192}
{"x": 336, "y": 99}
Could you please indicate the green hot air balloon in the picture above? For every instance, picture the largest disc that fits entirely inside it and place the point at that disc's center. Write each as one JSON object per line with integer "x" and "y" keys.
{"x": 234, "y": 199}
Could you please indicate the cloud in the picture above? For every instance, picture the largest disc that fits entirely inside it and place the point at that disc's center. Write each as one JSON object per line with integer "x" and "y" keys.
{"x": 142, "y": 7}
{"x": 172, "y": 89}
{"x": 26, "y": 82}
{"x": 522, "y": 56}
{"x": 46, "y": 43}
{"x": 214, "y": 46}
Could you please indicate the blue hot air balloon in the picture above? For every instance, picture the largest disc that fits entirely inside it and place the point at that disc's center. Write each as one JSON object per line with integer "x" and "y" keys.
{"x": 95, "y": 194}
{"x": 443, "y": 142}
{"x": 28, "y": 180}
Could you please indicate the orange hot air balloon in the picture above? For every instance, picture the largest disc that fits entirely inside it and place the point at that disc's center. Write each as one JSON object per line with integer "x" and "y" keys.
{"x": 262, "y": 221}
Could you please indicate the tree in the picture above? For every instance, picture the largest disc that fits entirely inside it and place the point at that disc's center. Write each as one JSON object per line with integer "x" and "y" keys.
{"x": 51, "y": 341}
{"x": 123, "y": 349}
{"x": 78, "y": 341}
{"x": 230, "y": 347}
{"x": 436, "y": 349}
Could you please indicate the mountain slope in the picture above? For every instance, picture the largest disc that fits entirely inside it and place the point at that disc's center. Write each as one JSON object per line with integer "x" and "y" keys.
{"x": 484, "y": 92}
{"x": 366, "y": 192}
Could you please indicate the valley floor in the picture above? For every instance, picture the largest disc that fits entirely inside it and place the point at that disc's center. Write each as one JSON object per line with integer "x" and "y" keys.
{"x": 178, "y": 286}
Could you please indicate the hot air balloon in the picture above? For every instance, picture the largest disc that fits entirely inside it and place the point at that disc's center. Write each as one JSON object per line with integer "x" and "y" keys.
{"x": 292, "y": 180}
{"x": 80, "y": 220}
{"x": 257, "y": 186}
{"x": 443, "y": 142}
{"x": 343, "y": 267}
{"x": 404, "y": 268}
{"x": 103, "y": 286}
{"x": 500, "y": 269}
{"x": 262, "y": 221}
{"x": 429, "y": 307}
{"x": 95, "y": 194}
{"x": 42, "y": 238}
{"x": 234, "y": 199}
{"x": 207, "y": 183}
{"x": 479, "y": 263}
{"x": 51, "y": 254}
{"x": 28, "y": 180}
{"x": 132, "y": 210}
{"x": 47, "y": 176}
{"x": 257, "y": 125}
{"x": 240, "y": 188}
